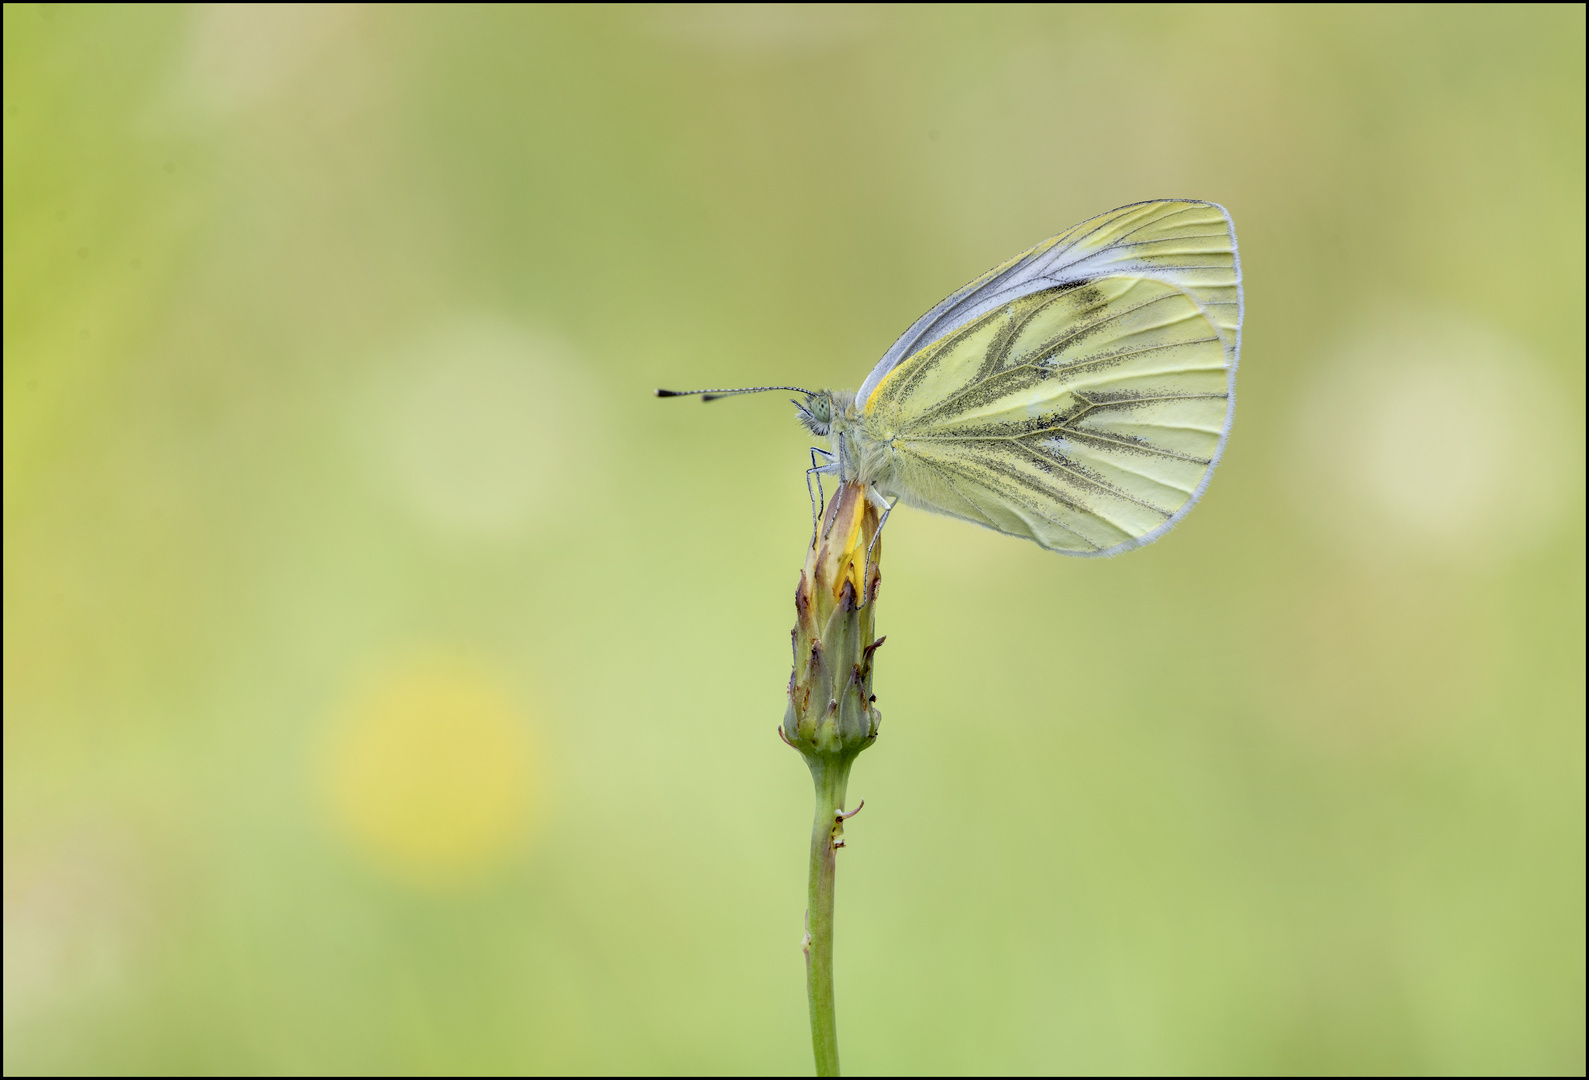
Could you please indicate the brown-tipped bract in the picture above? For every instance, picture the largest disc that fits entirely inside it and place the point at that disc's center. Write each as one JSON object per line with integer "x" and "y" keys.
{"x": 831, "y": 711}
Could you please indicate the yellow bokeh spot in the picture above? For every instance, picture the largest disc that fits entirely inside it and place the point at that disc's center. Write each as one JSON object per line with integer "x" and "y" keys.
{"x": 432, "y": 772}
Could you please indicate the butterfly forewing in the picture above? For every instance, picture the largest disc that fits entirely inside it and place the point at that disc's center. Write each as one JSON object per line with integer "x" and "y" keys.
{"x": 1085, "y": 415}
{"x": 1188, "y": 243}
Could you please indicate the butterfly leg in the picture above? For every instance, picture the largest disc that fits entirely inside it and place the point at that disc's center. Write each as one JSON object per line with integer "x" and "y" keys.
{"x": 819, "y": 469}
{"x": 866, "y": 567}
{"x": 819, "y": 499}
{"x": 835, "y": 464}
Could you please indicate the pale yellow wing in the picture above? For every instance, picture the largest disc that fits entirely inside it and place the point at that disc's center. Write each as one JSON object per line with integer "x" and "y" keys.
{"x": 1086, "y": 415}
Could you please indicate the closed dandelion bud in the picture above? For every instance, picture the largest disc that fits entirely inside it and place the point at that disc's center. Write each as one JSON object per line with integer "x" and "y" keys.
{"x": 831, "y": 712}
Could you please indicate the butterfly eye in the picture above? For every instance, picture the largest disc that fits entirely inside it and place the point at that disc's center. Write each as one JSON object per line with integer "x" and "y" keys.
{"x": 816, "y": 413}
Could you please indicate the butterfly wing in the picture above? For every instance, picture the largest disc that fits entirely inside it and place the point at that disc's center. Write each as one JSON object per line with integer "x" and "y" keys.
{"x": 1079, "y": 395}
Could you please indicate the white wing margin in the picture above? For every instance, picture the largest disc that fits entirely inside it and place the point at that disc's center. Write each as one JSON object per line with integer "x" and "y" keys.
{"x": 1187, "y": 243}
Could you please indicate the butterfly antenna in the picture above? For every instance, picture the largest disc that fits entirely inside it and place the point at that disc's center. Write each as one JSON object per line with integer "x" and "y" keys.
{"x": 713, "y": 395}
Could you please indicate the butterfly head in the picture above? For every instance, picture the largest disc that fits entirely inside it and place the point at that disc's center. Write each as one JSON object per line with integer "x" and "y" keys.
{"x": 824, "y": 411}
{"x": 816, "y": 412}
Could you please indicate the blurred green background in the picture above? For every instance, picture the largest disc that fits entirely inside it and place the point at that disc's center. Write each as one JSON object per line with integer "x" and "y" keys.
{"x": 391, "y": 681}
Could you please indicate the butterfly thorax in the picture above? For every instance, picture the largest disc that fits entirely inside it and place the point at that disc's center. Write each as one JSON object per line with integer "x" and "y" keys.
{"x": 858, "y": 451}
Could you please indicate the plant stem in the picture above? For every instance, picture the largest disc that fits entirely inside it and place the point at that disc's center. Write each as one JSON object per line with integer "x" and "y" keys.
{"x": 830, "y": 775}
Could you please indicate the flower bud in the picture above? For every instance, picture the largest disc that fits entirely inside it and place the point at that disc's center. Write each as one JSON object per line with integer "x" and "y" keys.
{"x": 831, "y": 711}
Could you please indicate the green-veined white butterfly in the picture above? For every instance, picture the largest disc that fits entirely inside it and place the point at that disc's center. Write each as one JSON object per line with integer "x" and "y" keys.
{"x": 1079, "y": 395}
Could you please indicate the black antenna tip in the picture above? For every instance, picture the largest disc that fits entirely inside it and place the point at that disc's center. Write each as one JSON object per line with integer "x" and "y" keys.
{"x": 715, "y": 393}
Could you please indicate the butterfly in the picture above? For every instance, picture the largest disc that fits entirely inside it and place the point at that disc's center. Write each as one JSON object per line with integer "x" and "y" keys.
{"x": 1078, "y": 395}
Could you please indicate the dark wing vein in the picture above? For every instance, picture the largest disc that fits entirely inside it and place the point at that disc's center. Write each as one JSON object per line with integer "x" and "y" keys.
{"x": 1044, "y": 462}
{"x": 1079, "y": 433}
{"x": 1080, "y": 364}
{"x": 992, "y": 365}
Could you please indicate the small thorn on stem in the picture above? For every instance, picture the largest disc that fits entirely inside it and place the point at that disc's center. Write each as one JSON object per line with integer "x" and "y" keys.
{"x": 840, "y": 815}
{"x": 789, "y": 744}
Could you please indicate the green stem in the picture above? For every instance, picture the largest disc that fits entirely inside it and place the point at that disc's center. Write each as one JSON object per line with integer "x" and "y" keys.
{"x": 830, "y": 775}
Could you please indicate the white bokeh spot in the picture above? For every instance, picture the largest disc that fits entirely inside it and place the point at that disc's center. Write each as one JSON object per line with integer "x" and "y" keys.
{"x": 1430, "y": 432}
